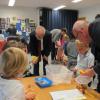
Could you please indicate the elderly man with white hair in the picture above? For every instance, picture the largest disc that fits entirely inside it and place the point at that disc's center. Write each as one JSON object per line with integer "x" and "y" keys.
{"x": 40, "y": 45}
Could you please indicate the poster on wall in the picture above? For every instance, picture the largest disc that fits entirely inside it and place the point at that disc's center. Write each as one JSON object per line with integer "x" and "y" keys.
{"x": 18, "y": 25}
{"x": 23, "y": 25}
{"x": 13, "y": 20}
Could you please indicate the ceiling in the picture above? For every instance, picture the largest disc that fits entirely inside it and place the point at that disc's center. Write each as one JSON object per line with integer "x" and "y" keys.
{"x": 52, "y": 3}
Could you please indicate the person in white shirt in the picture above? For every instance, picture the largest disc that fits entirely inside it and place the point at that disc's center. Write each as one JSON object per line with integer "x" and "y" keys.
{"x": 13, "y": 62}
{"x": 11, "y": 90}
{"x": 85, "y": 59}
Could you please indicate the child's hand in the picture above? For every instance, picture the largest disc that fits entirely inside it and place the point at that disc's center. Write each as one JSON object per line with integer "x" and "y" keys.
{"x": 29, "y": 93}
{"x": 74, "y": 69}
{"x": 30, "y": 96}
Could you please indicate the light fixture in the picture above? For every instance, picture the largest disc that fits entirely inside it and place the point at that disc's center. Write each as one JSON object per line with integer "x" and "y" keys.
{"x": 76, "y": 1}
{"x": 11, "y": 3}
{"x": 60, "y": 7}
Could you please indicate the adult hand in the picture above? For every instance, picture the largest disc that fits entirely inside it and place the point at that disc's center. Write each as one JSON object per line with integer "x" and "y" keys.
{"x": 34, "y": 59}
{"x": 45, "y": 58}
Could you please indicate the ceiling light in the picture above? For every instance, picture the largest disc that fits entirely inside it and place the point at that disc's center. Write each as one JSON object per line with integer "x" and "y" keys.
{"x": 60, "y": 7}
{"x": 11, "y": 3}
{"x": 76, "y": 1}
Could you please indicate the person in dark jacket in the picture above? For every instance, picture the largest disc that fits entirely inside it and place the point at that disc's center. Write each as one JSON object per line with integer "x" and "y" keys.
{"x": 94, "y": 32}
{"x": 40, "y": 45}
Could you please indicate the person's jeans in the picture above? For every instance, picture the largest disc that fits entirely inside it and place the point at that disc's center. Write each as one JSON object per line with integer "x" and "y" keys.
{"x": 36, "y": 68}
{"x": 44, "y": 64}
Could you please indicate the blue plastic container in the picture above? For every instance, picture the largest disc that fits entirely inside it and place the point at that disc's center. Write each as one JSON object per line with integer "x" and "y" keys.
{"x": 43, "y": 82}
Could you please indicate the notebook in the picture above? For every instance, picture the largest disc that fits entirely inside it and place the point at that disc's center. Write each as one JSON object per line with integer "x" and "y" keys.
{"x": 73, "y": 94}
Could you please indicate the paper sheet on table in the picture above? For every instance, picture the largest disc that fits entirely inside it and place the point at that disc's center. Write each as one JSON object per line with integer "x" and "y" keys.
{"x": 73, "y": 94}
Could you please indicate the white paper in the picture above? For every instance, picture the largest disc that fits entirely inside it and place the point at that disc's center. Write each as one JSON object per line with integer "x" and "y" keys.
{"x": 73, "y": 94}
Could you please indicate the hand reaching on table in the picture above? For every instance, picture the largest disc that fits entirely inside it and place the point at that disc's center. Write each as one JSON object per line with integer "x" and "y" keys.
{"x": 29, "y": 93}
{"x": 74, "y": 69}
{"x": 30, "y": 96}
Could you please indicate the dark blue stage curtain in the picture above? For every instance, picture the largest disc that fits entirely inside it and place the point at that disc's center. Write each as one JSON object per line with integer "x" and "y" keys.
{"x": 51, "y": 19}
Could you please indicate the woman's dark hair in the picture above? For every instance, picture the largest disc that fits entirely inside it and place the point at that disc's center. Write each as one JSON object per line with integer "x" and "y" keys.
{"x": 64, "y": 30}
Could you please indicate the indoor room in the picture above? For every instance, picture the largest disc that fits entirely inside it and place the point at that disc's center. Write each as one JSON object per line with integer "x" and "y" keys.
{"x": 49, "y": 50}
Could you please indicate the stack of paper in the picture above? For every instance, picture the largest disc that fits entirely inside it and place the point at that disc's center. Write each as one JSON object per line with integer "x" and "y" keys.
{"x": 73, "y": 94}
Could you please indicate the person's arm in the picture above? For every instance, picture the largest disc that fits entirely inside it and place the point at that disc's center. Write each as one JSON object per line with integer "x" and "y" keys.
{"x": 29, "y": 94}
{"x": 19, "y": 93}
{"x": 16, "y": 93}
{"x": 91, "y": 61}
{"x": 93, "y": 70}
{"x": 77, "y": 65}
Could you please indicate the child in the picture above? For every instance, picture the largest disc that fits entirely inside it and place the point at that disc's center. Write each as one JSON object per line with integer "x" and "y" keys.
{"x": 22, "y": 45}
{"x": 61, "y": 57}
{"x": 13, "y": 62}
{"x": 85, "y": 59}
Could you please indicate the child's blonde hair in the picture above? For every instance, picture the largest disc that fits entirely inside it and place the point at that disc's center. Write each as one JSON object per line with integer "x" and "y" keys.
{"x": 81, "y": 44}
{"x": 81, "y": 47}
{"x": 13, "y": 61}
{"x": 65, "y": 37}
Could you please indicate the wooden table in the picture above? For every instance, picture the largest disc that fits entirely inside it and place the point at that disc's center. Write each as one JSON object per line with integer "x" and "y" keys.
{"x": 43, "y": 93}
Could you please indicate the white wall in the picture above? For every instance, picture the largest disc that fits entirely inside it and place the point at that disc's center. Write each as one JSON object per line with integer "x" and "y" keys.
{"x": 20, "y": 13}
{"x": 90, "y": 12}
